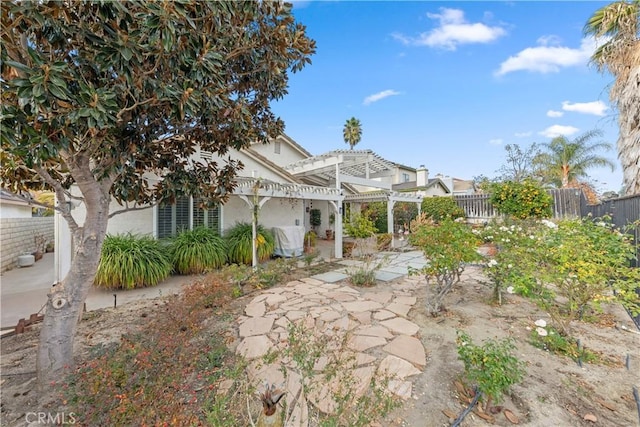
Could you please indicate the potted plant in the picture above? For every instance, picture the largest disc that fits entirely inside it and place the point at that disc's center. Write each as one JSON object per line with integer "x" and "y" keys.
{"x": 315, "y": 218}
{"x": 329, "y": 231}
{"x": 310, "y": 241}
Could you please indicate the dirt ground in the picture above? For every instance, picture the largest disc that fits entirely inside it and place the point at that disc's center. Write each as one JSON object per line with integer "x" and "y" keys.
{"x": 555, "y": 390}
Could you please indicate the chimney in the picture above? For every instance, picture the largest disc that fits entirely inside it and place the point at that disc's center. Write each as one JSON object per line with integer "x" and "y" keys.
{"x": 422, "y": 176}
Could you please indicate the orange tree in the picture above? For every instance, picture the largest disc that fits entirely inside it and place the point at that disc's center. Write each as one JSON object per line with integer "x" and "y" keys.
{"x": 103, "y": 95}
{"x": 521, "y": 200}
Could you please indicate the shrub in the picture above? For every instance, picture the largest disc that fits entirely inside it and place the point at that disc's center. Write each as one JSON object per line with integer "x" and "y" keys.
{"x": 439, "y": 208}
{"x": 315, "y": 218}
{"x": 197, "y": 251}
{"x": 383, "y": 241}
{"x": 240, "y": 246}
{"x": 360, "y": 227}
{"x": 521, "y": 200}
{"x": 491, "y": 367}
{"x": 447, "y": 246}
{"x": 129, "y": 261}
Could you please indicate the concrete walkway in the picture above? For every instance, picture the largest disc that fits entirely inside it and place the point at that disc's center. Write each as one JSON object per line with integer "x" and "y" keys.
{"x": 23, "y": 291}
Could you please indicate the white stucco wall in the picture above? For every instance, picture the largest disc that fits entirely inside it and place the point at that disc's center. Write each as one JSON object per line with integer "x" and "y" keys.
{"x": 287, "y": 155}
{"x": 10, "y": 210}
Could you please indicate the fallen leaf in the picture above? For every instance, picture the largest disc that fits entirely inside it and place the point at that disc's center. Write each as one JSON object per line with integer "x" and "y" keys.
{"x": 607, "y": 405}
{"x": 590, "y": 417}
{"x": 484, "y": 416}
{"x": 495, "y": 409}
{"x": 511, "y": 417}
{"x": 461, "y": 389}
{"x": 450, "y": 414}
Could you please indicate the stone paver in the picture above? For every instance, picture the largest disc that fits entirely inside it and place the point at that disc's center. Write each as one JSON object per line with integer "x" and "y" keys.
{"x": 365, "y": 332}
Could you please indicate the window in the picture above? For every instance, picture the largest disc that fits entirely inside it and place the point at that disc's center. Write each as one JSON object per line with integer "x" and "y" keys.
{"x": 276, "y": 147}
{"x": 405, "y": 177}
{"x": 185, "y": 215}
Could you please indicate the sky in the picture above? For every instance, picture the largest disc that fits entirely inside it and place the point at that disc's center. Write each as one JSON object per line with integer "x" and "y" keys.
{"x": 448, "y": 84}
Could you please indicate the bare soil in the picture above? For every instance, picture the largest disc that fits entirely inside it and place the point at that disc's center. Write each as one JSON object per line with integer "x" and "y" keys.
{"x": 556, "y": 391}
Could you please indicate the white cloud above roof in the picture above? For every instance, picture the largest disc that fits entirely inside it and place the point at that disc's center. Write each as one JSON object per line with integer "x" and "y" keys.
{"x": 548, "y": 57}
{"x": 453, "y": 30}
{"x": 558, "y": 130}
{"x": 380, "y": 95}
{"x": 554, "y": 113}
{"x": 596, "y": 108}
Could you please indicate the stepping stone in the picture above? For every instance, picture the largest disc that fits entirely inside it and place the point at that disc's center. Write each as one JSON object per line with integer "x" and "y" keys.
{"x": 374, "y": 331}
{"x": 397, "y": 368}
{"x": 312, "y": 281}
{"x": 256, "y": 326}
{"x": 363, "y": 317}
{"x": 328, "y": 316}
{"x": 331, "y": 276}
{"x": 341, "y": 296}
{"x": 386, "y": 276}
{"x": 364, "y": 342}
{"x": 254, "y": 347}
{"x": 399, "y": 309}
{"x": 294, "y": 315}
{"x": 383, "y": 315}
{"x": 402, "y": 389}
{"x": 407, "y": 300}
{"x": 275, "y": 299}
{"x": 256, "y": 309}
{"x": 407, "y": 348}
{"x": 381, "y": 297}
{"x": 362, "y": 305}
{"x": 401, "y": 326}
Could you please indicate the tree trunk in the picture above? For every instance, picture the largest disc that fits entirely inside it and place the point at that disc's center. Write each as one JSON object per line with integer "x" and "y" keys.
{"x": 66, "y": 300}
{"x": 629, "y": 138}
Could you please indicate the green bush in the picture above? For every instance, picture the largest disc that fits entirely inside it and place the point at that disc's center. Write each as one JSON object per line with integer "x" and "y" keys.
{"x": 491, "y": 367}
{"x": 240, "y": 247}
{"x": 360, "y": 227}
{"x": 521, "y": 200}
{"x": 129, "y": 261}
{"x": 198, "y": 251}
{"x": 448, "y": 247}
{"x": 439, "y": 208}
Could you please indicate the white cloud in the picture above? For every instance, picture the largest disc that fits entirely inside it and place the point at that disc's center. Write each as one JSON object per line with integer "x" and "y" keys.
{"x": 548, "y": 58}
{"x": 553, "y": 113}
{"x": 597, "y": 108}
{"x": 523, "y": 134}
{"x": 453, "y": 30}
{"x": 380, "y": 95}
{"x": 496, "y": 141}
{"x": 558, "y": 130}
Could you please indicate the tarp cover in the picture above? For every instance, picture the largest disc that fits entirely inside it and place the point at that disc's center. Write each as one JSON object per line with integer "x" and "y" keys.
{"x": 289, "y": 240}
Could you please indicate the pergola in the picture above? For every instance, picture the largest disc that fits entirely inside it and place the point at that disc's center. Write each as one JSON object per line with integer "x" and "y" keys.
{"x": 355, "y": 167}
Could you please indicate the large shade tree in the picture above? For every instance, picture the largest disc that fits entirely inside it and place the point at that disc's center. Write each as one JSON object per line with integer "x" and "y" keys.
{"x": 618, "y": 26}
{"x": 563, "y": 162}
{"x": 352, "y": 132}
{"x": 99, "y": 96}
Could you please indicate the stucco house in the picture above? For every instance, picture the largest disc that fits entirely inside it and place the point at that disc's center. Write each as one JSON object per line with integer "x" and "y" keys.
{"x": 284, "y": 180}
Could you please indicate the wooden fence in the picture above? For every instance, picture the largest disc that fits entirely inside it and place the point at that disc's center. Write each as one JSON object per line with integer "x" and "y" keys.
{"x": 567, "y": 203}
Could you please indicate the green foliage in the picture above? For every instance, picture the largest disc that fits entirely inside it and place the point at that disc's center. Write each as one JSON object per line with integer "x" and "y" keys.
{"x": 583, "y": 258}
{"x": 315, "y": 217}
{"x": 447, "y": 246}
{"x": 352, "y": 132}
{"x": 197, "y": 251}
{"x": 403, "y": 214}
{"x": 239, "y": 241}
{"x": 439, "y": 208}
{"x": 377, "y": 213}
{"x": 310, "y": 238}
{"x": 129, "y": 261}
{"x": 492, "y": 366}
{"x": 360, "y": 227}
{"x": 556, "y": 343}
{"x": 585, "y": 262}
{"x": 522, "y": 200}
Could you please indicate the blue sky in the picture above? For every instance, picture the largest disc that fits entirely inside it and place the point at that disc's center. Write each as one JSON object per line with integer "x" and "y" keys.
{"x": 449, "y": 84}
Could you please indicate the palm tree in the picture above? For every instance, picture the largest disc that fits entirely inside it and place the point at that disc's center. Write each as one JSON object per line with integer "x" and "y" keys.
{"x": 352, "y": 132}
{"x": 618, "y": 24}
{"x": 563, "y": 162}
